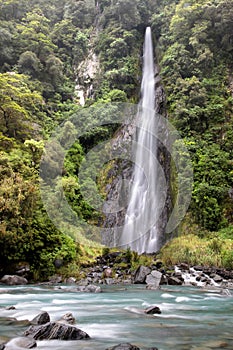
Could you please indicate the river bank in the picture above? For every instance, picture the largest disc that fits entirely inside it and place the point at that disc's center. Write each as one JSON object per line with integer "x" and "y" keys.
{"x": 114, "y": 268}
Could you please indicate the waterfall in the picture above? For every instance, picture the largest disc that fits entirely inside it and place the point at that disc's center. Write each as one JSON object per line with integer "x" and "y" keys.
{"x": 140, "y": 227}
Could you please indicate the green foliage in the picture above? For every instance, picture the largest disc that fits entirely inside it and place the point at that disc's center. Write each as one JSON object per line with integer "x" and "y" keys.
{"x": 18, "y": 106}
{"x": 116, "y": 95}
{"x": 210, "y": 251}
{"x": 195, "y": 68}
{"x": 43, "y": 47}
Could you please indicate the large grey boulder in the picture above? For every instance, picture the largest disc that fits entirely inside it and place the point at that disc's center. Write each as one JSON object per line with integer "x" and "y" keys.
{"x": 124, "y": 346}
{"x": 56, "y": 330}
{"x": 140, "y": 274}
{"x": 153, "y": 279}
{"x": 12, "y": 280}
{"x": 20, "y": 343}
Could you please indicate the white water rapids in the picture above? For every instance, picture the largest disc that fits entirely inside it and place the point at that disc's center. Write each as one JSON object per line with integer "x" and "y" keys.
{"x": 191, "y": 318}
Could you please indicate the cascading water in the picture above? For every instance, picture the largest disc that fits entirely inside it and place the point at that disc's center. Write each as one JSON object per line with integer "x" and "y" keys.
{"x": 140, "y": 227}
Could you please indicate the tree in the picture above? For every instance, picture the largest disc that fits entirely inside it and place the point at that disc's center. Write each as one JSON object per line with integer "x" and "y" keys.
{"x": 29, "y": 64}
{"x": 18, "y": 105}
{"x": 6, "y": 47}
{"x": 34, "y": 35}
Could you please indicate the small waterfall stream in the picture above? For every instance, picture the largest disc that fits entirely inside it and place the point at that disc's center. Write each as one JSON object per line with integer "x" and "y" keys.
{"x": 140, "y": 231}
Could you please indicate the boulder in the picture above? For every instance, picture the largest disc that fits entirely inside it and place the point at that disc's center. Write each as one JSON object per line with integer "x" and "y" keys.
{"x": 20, "y": 343}
{"x": 58, "y": 263}
{"x": 67, "y": 318}
{"x": 42, "y": 318}
{"x": 217, "y": 278}
{"x": 14, "y": 322}
{"x": 108, "y": 273}
{"x": 90, "y": 288}
{"x": 110, "y": 281}
{"x": 83, "y": 282}
{"x": 153, "y": 279}
{"x": 184, "y": 267}
{"x": 12, "y": 307}
{"x": 140, "y": 274}
{"x": 70, "y": 280}
{"x": 56, "y": 330}
{"x": 174, "y": 281}
{"x": 23, "y": 269}
{"x": 55, "y": 279}
{"x": 12, "y": 280}
{"x": 124, "y": 346}
{"x": 151, "y": 310}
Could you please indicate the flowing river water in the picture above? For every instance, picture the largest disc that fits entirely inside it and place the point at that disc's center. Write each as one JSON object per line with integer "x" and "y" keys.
{"x": 191, "y": 318}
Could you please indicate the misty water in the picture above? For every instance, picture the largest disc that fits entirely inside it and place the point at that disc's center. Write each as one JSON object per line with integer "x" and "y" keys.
{"x": 191, "y": 318}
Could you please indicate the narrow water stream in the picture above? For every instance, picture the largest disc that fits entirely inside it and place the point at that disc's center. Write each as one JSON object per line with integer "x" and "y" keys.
{"x": 191, "y": 318}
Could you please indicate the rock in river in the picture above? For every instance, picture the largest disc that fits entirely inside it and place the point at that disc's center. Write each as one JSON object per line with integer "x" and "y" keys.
{"x": 20, "y": 343}
{"x": 56, "y": 330}
{"x": 91, "y": 288}
{"x": 151, "y": 310}
{"x": 11, "y": 280}
{"x": 124, "y": 346}
{"x": 42, "y": 318}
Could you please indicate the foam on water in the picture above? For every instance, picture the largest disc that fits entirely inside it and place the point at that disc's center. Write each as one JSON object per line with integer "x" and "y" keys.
{"x": 189, "y": 316}
{"x": 167, "y": 295}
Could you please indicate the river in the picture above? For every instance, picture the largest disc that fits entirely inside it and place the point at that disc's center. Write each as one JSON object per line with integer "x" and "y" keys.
{"x": 191, "y": 318}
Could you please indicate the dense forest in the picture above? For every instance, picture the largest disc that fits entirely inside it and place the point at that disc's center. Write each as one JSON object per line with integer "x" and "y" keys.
{"x": 60, "y": 57}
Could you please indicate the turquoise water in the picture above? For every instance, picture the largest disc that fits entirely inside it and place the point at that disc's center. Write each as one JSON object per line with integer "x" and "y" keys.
{"x": 191, "y": 318}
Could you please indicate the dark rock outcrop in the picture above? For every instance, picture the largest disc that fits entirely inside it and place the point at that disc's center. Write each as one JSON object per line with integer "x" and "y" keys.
{"x": 56, "y": 330}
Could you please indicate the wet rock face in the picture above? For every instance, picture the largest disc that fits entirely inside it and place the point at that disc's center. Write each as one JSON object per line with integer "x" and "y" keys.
{"x": 55, "y": 330}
